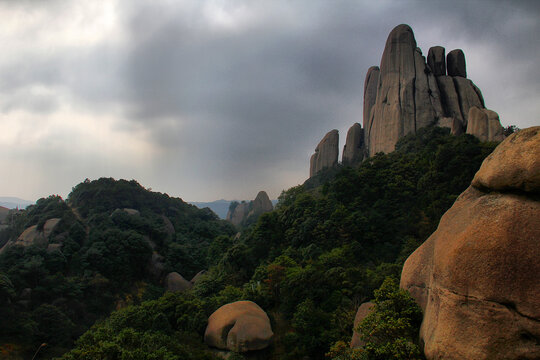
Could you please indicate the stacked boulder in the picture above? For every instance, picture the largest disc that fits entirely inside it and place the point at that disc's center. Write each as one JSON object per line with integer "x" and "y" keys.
{"x": 476, "y": 277}
{"x": 407, "y": 93}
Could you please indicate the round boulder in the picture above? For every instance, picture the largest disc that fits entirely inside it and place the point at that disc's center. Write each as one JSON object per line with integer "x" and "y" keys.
{"x": 239, "y": 326}
{"x": 476, "y": 277}
{"x": 174, "y": 282}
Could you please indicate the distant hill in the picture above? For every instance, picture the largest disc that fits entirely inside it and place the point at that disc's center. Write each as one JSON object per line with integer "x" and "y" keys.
{"x": 220, "y": 207}
{"x": 13, "y": 202}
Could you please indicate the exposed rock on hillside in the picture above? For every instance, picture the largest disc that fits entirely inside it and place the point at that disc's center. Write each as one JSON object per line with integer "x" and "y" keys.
{"x": 484, "y": 124}
{"x": 326, "y": 153}
{"x": 362, "y": 312}
{"x": 239, "y": 326}
{"x": 33, "y": 236}
{"x": 174, "y": 282}
{"x": 353, "y": 151}
{"x": 476, "y": 277}
{"x": 239, "y": 214}
{"x": 411, "y": 94}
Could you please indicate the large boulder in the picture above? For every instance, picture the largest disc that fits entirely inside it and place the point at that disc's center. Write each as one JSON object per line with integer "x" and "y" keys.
{"x": 33, "y": 236}
{"x": 484, "y": 124}
{"x": 239, "y": 326}
{"x": 361, "y": 314}
{"x": 513, "y": 165}
{"x": 353, "y": 151}
{"x": 436, "y": 60}
{"x": 455, "y": 62}
{"x": 476, "y": 277}
{"x": 326, "y": 153}
{"x": 174, "y": 282}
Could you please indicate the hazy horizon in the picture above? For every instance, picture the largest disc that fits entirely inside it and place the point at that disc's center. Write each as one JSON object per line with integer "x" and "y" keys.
{"x": 207, "y": 100}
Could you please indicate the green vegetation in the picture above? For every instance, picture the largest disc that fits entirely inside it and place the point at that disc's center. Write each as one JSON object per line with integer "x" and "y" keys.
{"x": 103, "y": 262}
{"x": 326, "y": 248}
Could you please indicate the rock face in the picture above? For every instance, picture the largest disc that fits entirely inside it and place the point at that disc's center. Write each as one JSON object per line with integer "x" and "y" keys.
{"x": 456, "y": 63}
{"x": 239, "y": 214}
{"x": 476, "y": 277}
{"x": 261, "y": 204}
{"x": 326, "y": 153}
{"x": 174, "y": 282}
{"x": 245, "y": 210}
{"x": 484, "y": 124}
{"x": 239, "y": 326}
{"x": 362, "y": 312}
{"x": 353, "y": 151}
{"x": 436, "y": 60}
{"x": 410, "y": 94}
{"x": 33, "y": 236}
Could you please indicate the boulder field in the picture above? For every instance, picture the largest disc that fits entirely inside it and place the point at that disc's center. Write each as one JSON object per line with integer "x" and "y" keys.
{"x": 476, "y": 277}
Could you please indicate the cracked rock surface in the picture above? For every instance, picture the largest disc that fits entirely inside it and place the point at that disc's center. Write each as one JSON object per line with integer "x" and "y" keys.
{"x": 476, "y": 277}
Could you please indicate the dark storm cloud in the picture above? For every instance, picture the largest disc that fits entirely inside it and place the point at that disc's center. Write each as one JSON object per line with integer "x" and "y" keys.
{"x": 252, "y": 97}
{"x": 235, "y": 95}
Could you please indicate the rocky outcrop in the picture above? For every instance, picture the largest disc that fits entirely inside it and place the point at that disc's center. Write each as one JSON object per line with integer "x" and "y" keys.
{"x": 353, "y": 151}
{"x": 261, "y": 204}
{"x": 362, "y": 312}
{"x": 249, "y": 210}
{"x": 238, "y": 214}
{"x": 174, "y": 282}
{"x": 326, "y": 153}
{"x": 476, "y": 277}
{"x": 455, "y": 61}
{"x": 370, "y": 96}
{"x": 407, "y": 97}
{"x": 484, "y": 124}
{"x": 436, "y": 60}
{"x": 33, "y": 236}
{"x": 239, "y": 326}
{"x": 411, "y": 94}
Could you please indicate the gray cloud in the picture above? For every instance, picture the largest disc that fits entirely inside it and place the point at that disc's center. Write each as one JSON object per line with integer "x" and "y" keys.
{"x": 234, "y": 96}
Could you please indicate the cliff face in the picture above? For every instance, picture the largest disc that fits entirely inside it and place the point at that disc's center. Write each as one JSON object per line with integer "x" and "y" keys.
{"x": 412, "y": 94}
{"x": 476, "y": 276}
{"x": 239, "y": 214}
{"x": 326, "y": 153}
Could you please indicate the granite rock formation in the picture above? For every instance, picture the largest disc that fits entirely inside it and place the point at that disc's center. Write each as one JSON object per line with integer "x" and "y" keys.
{"x": 436, "y": 60}
{"x": 239, "y": 326}
{"x": 326, "y": 153}
{"x": 353, "y": 151}
{"x": 362, "y": 312}
{"x": 455, "y": 61}
{"x": 411, "y": 94}
{"x": 484, "y": 124}
{"x": 174, "y": 282}
{"x": 33, "y": 236}
{"x": 238, "y": 214}
{"x": 476, "y": 277}
{"x": 245, "y": 210}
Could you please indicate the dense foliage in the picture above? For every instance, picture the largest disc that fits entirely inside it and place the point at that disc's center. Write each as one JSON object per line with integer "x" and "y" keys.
{"x": 325, "y": 249}
{"x": 102, "y": 261}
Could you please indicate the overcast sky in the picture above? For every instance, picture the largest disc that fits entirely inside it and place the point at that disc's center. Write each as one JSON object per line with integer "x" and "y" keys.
{"x": 220, "y": 99}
